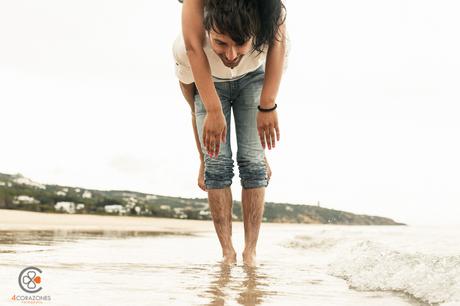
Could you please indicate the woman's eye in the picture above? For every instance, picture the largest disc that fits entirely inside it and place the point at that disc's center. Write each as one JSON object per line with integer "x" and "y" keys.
{"x": 243, "y": 44}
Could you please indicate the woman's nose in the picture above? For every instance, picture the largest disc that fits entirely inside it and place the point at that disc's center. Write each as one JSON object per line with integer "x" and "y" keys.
{"x": 231, "y": 54}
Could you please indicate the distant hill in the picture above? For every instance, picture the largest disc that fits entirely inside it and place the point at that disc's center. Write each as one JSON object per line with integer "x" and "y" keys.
{"x": 19, "y": 192}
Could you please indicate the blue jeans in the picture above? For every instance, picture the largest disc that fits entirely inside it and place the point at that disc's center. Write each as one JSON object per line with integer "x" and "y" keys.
{"x": 241, "y": 95}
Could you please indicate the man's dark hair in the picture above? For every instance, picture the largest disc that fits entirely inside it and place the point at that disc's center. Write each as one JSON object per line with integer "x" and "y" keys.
{"x": 243, "y": 19}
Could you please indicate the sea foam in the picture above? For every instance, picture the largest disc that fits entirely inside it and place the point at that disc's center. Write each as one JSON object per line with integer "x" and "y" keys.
{"x": 369, "y": 265}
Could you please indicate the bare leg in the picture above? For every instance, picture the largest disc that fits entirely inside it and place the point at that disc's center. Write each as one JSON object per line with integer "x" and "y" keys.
{"x": 201, "y": 183}
{"x": 200, "y": 153}
{"x": 220, "y": 203}
{"x": 253, "y": 209}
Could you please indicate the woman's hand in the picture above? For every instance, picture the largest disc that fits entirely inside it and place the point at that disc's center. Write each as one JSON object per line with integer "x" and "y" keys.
{"x": 267, "y": 126}
{"x": 214, "y": 131}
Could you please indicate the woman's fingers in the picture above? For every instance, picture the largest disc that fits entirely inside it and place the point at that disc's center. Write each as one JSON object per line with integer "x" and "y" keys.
{"x": 277, "y": 129}
{"x": 212, "y": 145}
{"x": 205, "y": 139}
{"x": 210, "y": 148}
{"x": 224, "y": 135}
{"x": 267, "y": 127}
{"x": 269, "y": 136}
{"x": 265, "y": 138}
{"x": 262, "y": 137}
{"x": 216, "y": 146}
{"x": 214, "y": 130}
{"x": 272, "y": 137}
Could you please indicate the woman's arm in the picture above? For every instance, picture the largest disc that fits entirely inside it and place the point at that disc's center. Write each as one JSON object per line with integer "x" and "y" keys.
{"x": 214, "y": 128}
{"x": 274, "y": 69}
{"x": 267, "y": 122}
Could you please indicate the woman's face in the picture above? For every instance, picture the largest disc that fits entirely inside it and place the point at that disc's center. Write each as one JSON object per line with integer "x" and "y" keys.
{"x": 229, "y": 52}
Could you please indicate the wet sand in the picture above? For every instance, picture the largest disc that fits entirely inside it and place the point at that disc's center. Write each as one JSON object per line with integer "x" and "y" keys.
{"x": 27, "y": 220}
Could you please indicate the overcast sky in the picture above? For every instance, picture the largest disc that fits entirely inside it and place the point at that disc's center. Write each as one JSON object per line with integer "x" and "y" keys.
{"x": 368, "y": 108}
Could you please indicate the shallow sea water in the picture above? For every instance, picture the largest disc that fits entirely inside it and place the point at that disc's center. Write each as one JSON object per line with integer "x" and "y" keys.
{"x": 297, "y": 265}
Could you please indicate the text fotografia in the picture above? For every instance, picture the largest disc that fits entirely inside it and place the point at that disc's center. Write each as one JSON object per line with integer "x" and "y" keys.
{"x": 31, "y": 299}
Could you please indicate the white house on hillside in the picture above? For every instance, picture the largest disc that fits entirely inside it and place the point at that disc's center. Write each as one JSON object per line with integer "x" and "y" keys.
{"x": 120, "y": 209}
{"x": 130, "y": 201}
{"x": 61, "y": 193}
{"x": 23, "y": 199}
{"x": 68, "y": 207}
{"x": 86, "y": 194}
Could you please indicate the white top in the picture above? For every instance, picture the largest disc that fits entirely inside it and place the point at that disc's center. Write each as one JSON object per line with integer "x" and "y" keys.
{"x": 220, "y": 72}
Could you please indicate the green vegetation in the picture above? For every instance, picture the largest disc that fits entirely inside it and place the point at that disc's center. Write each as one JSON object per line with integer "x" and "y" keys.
{"x": 17, "y": 192}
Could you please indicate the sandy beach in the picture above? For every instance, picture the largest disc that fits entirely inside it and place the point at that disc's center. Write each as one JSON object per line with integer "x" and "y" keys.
{"x": 27, "y": 220}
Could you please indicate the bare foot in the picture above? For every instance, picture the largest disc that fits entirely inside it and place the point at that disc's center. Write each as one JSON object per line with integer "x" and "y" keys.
{"x": 229, "y": 258}
{"x": 269, "y": 170}
{"x": 249, "y": 258}
{"x": 201, "y": 183}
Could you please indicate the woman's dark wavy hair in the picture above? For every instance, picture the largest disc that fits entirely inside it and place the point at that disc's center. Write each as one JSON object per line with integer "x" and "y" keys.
{"x": 243, "y": 19}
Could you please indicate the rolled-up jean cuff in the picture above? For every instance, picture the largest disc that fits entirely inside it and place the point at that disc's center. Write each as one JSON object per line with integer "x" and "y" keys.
{"x": 247, "y": 184}
{"x": 215, "y": 184}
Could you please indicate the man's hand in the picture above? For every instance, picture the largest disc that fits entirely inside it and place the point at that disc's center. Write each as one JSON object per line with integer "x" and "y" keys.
{"x": 267, "y": 126}
{"x": 214, "y": 130}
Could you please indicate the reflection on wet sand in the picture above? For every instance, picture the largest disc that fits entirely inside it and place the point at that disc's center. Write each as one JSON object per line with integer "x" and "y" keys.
{"x": 253, "y": 287}
{"x": 249, "y": 286}
{"x": 218, "y": 285}
{"x": 50, "y": 237}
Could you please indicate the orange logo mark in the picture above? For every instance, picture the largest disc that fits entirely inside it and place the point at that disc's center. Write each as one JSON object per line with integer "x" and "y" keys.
{"x": 37, "y": 279}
